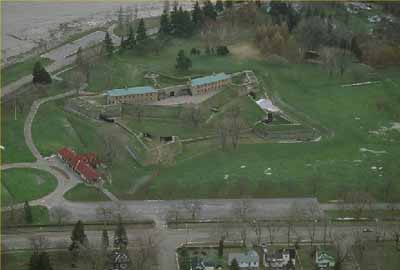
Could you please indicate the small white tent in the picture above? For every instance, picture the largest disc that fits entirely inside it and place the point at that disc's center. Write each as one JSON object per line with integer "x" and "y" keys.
{"x": 266, "y": 104}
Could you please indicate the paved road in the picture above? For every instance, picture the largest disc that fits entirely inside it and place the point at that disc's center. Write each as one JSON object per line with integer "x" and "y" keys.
{"x": 170, "y": 239}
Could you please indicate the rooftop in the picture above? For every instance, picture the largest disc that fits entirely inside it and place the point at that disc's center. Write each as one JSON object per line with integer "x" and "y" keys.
{"x": 131, "y": 91}
{"x": 245, "y": 257}
{"x": 209, "y": 79}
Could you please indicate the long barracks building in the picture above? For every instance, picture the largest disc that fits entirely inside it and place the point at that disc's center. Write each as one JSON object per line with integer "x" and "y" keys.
{"x": 147, "y": 94}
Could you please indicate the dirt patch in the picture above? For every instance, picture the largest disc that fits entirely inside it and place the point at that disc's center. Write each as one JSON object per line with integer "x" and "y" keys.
{"x": 246, "y": 51}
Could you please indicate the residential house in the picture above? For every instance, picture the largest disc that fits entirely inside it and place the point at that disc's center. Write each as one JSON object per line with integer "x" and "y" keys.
{"x": 119, "y": 260}
{"x": 246, "y": 260}
{"x": 284, "y": 258}
{"x": 323, "y": 260}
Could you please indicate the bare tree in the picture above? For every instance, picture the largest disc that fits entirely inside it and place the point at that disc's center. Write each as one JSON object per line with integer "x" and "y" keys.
{"x": 343, "y": 246}
{"x": 60, "y": 214}
{"x": 39, "y": 242}
{"x": 273, "y": 229}
{"x": 174, "y": 214}
{"x": 194, "y": 207}
{"x": 108, "y": 151}
{"x": 104, "y": 213}
{"x": 257, "y": 227}
{"x": 146, "y": 250}
{"x": 242, "y": 210}
{"x": 359, "y": 246}
{"x": 312, "y": 215}
{"x": 359, "y": 202}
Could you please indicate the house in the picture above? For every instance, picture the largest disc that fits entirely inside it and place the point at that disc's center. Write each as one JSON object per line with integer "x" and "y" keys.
{"x": 246, "y": 260}
{"x": 132, "y": 95}
{"x": 84, "y": 165}
{"x": 279, "y": 259}
{"x": 202, "y": 263}
{"x": 204, "y": 85}
{"x": 323, "y": 260}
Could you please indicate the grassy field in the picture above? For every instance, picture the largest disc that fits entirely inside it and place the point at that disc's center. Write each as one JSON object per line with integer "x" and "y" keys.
{"x": 82, "y": 193}
{"x": 16, "y": 71}
{"x": 352, "y": 118}
{"x": 25, "y": 185}
{"x": 13, "y": 119}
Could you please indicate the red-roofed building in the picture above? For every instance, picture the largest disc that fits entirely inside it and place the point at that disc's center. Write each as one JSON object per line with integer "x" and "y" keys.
{"x": 83, "y": 164}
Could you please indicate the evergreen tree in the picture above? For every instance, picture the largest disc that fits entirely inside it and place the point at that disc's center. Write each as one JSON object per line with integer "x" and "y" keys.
{"x": 219, "y": 6}
{"x": 105, "y": 242}
{"x": 78, "y": 233}
{"x": 174, "y": 18}
{"x": 183, "y": 63}
{"x": 355, "y": 48}
{"x": 120, "y": 236}
{"x": 108, "y": 44}
{"x": 131, "y": 41}
{"x": 209, "y": 10}
{"x": 40, "y": 75}
{"x": 34, "y": 262}
{"x": 234, "y": 265}
{"x": 165, "y": 27}
{"x": 120, "y": 19}
{"x": 222, "y": 50}
{"x": 197, "y": 14}
{"x": 141, "y": 31}
{"x": 221, "y": 247}
{"x": 28, "y": 213}
{"x": 40, "y": 261}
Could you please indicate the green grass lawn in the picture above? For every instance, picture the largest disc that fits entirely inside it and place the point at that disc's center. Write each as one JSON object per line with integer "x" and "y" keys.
{"x": 341, "y": 162}
{"x": 26, "y": 185}
{"x": 13, "y": 119}
{"x": 82, "y": 193}
{"x": 16, "y": 71}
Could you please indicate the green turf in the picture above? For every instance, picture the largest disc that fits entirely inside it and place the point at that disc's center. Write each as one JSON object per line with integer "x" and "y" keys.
{"x": 377, "y": 255}
{"x": 16, "y": 71}
{"x": 26, "y": 185}
{"x": 13, "y": 119}
{"x": 83, "y": 193}
{"x": 343, "y": 115}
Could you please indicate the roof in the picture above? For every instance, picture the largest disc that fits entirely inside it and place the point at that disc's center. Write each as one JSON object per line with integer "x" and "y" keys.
{"x": 266, "y": 104}
{"x": 244, "y": 257}
{"x": 209, "y": 79}
{"x": 88, "y": 172}
{"x": 323, "y": 256}
{"x": 66, "y": 153}
{"x": 131, "y": 91}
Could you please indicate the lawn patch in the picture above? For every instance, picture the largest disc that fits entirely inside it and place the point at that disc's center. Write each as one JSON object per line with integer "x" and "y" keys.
{"x": 26, "y": 185}
{"x": 84, "y": 193}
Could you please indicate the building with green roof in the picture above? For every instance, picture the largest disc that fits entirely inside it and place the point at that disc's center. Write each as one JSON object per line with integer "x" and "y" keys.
{"x": 132, "y": 95}
{"x": 204, "y": 85}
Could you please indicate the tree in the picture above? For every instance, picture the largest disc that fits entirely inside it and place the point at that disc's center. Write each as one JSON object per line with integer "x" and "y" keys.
{"x": 141, "y": 32}
{"x": 120, "y": 19}
{"x": 83, "y": 64}
{"x": 273, "y": 230}
{"x": 59, "y": 214}
{"x": 219, "y": 6}
{"x": 131, "y": 41}
{"x": 209, "y": 10}
{"x": 197, "y": 15}
{"x": 183, "y": 63}
{"x": 312, "y": 33}
{"x": 40, "y": 261}
{"x": 39, "y": 243}
{"x": 105, "y": 242}
{"x": 108, "y": 45}
{"x": 193, "y": 207}
{"x": 228, "y": 4}
{"x": 234, "y": 265}
{"x": 221, "y": 247}
{"x": 165, "y": 27}
{"x": 40, "y": 75}
{"x": 28, "y": 213}
{"x": 120, "y": 236}
{"x": 78, "y": 233}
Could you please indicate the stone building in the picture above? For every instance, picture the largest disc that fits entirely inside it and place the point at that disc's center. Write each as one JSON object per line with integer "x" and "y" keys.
{"x": 204, "y": 85}
{"x": 132, "y": 95}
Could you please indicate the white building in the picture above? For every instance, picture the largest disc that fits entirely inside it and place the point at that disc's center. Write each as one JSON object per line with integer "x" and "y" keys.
{"x": 246, "y": 260}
